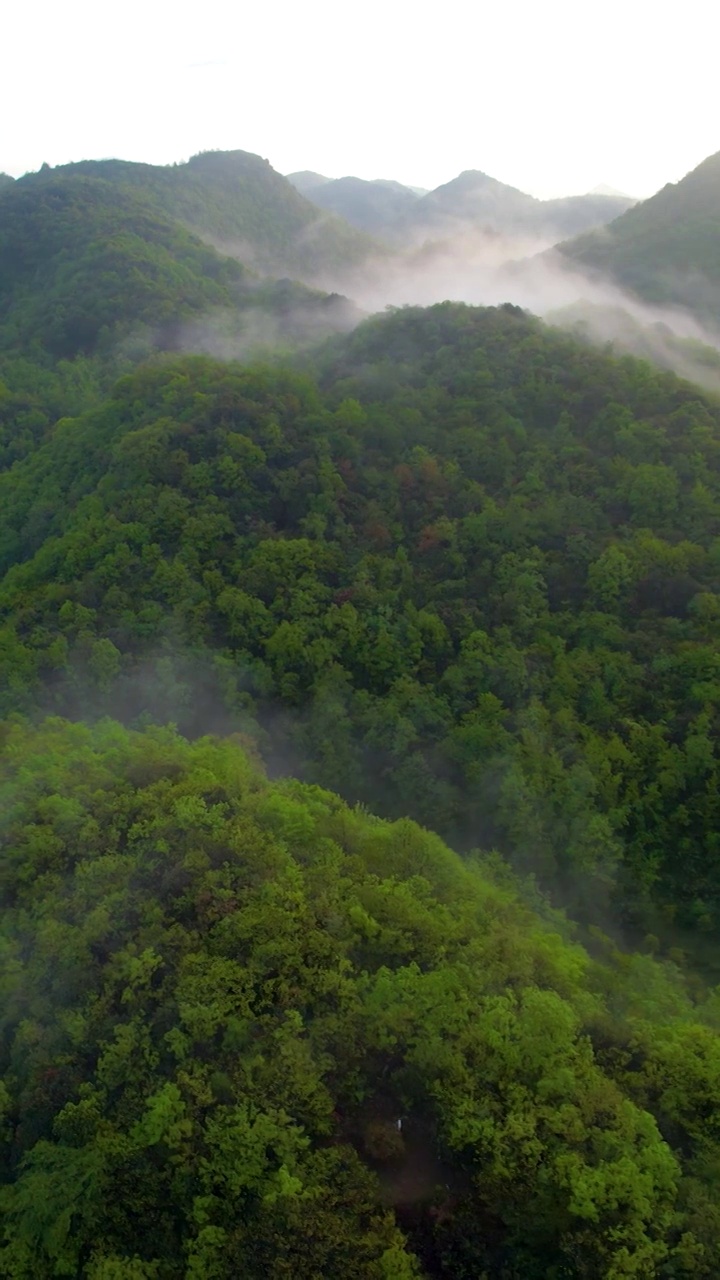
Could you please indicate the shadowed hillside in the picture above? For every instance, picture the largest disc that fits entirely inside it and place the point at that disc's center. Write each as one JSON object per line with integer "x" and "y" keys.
{"x": 666, "y": 249}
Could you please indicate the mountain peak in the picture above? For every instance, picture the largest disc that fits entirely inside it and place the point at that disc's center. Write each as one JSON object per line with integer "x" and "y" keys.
{"x": 305, "y": 181}
{"x": 602, "y": 189}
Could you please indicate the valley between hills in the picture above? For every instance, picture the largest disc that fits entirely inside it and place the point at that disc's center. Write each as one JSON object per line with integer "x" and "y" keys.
{"x": 359, "y": 727}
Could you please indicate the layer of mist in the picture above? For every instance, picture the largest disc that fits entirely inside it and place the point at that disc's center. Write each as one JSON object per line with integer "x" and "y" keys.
{"x": 487, "y": 269}
{"x": 268, "y": 326}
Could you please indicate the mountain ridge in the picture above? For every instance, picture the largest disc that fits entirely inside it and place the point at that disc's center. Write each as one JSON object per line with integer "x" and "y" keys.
{"x": 96, "y": 252}
{"x": 667, "y": 248}
{"x": 472, "y": 199}
{"x": 237, "y": 202}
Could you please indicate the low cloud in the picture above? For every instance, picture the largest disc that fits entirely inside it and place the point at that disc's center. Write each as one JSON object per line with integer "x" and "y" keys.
{"x": 484, "y": 268}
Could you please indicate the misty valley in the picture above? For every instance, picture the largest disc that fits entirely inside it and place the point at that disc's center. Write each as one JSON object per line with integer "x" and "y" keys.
{"x": 359, "y": 727}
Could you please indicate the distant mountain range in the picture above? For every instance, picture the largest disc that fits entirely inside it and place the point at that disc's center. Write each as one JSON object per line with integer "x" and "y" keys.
{"x": 380, "y": 207}
{"x": 400, "y": 214}
{"x": 95, "y": 250}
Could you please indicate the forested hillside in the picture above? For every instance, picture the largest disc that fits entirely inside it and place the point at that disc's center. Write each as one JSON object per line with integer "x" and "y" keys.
{"x": 248, "y": 1031}
{"x": 237, "y": 202}
{"x": 666, "y": 249}
{"x": 258, "y": 620}
{"x": 617, "y": 329}
{"x": 468, "y": 572}
{"x": 94, "y": 277}
{"x": 82, "y": 261}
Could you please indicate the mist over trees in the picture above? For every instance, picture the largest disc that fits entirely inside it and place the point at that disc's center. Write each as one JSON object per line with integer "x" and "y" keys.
{"x": 359, "y": 771}
{"x": 666, "y": 248}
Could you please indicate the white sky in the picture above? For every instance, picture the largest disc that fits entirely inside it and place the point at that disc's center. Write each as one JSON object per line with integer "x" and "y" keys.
{"x": 552, "y": 97}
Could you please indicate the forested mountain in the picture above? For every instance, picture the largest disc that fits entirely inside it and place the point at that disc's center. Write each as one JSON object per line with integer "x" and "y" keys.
{"x": 235, "y": 201}
{"x": 82, "y": 259}
{"x": 93, "y": 276}
{"x": 469, "y": 574}
{"x": 404, "y": 216}
{"x": 666, "y": 249}
{"x": 453, "y": 567}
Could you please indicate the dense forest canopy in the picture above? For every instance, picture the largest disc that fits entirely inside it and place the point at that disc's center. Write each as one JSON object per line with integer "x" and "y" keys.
{"x": 85, "y": 259}
{"x": 95, "y": 276}
{"x": 220, "y": 995}
{"x": 469, "y": 571}
{"x": 260, "y": 618}
{"x": 80, "y": 257}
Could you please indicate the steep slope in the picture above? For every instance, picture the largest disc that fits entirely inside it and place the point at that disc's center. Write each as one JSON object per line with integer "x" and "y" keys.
{"x": 220, "y": 994}
{"x": 657, "y": 342}
{"x": 237, "y": 201}
{"x": 91, "y": 267}
{"x": 470, "y": 574}
{"x": 666, "y": 249}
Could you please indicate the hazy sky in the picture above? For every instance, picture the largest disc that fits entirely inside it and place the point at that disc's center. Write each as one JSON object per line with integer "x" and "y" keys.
{"x": 553, "y": 97}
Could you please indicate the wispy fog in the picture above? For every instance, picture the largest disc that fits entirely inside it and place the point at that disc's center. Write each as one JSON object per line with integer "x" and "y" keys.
{"x": 485, "y": 269}
{"x": 481, "y": 267}
{"x": 258, "y": 331}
